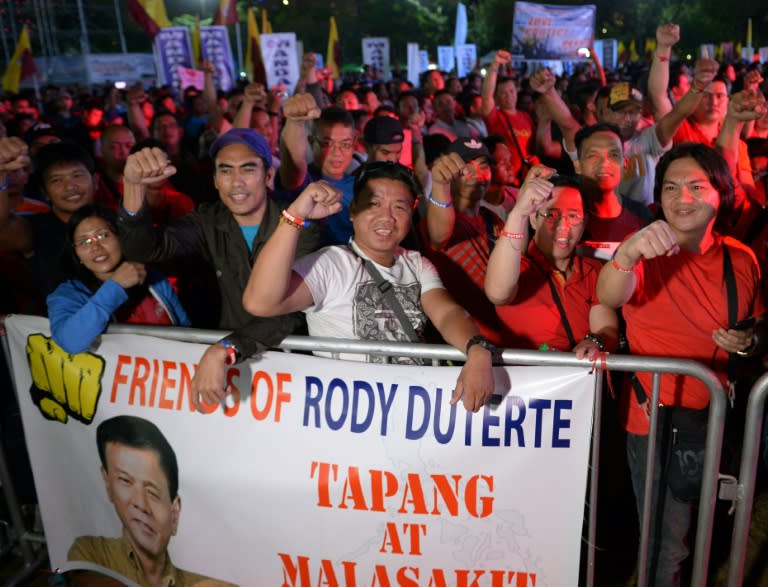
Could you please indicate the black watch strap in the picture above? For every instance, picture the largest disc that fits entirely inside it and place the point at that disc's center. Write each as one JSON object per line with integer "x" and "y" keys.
{"x": 482, "y": 341}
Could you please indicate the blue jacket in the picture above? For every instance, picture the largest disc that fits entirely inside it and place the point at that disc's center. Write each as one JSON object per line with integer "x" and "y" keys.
{"x": 78, "y": 315}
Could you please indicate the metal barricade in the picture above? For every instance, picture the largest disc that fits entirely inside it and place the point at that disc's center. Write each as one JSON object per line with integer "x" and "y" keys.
{"x": 623, "y": 363}
{"x": 747, "y": 478}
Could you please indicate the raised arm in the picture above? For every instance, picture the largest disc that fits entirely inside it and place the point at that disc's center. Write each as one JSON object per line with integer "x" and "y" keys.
{"x": 15, "y": 232}
{"x": 273, "y": 287}
{"x": 215, "y": 115}
{"x": 254, "y": 95}
{"x": 744, "y": 106}
{"x": 704, "y": 72}
{"x": 667, "y": 36}
{"x": 441, "y": 215}
{"x": 501, "y": 58}
{"x": 503, "y": 274}
{"x": 543, "y": 82}
{"x": 135, "y": 96}
{"x": 298, "y": 110}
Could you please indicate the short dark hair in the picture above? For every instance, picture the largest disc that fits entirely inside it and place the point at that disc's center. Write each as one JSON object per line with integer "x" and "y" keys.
{"x": 713, "y": 164}
{"x": 60, "y": 153}
{"x": 333, "y": 115}
{"x": 503, "y": 79}
{"x": 382, "y": 170}
{"x": 156, "y": 118}
{"x": 587, "y": 131}
{"x": 139, "y": 433}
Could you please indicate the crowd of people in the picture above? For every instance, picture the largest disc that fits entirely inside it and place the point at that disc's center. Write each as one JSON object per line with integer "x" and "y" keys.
{"x": 587, "y": 213}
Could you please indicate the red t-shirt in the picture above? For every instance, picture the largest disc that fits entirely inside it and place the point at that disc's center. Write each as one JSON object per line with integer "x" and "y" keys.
{"x": 533, "y": 317}
{"x": 678, "y": 302}
{"x": 499, "y": 123}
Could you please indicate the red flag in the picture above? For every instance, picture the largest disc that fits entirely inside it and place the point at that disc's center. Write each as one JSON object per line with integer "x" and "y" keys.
{"x": 226, "y": 13}
{"x": 254, "y": 65}
{"x": 149, "y": 15}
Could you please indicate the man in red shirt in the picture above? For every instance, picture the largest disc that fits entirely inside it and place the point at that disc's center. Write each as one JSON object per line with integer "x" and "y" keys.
{"x": 502, "y": 116}
{"x": 670, "y": 279}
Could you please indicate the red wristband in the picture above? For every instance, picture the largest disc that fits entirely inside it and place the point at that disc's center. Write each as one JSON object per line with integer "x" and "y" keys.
{"x": 512, "y": 235}
{"x": 662, "y": 58}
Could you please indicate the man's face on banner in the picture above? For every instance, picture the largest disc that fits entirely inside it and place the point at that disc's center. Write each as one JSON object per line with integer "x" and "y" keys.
{"x": 138, "y": 488}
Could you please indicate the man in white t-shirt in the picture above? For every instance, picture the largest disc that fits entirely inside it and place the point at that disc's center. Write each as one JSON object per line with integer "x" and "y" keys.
{"x": 338, "y": 294}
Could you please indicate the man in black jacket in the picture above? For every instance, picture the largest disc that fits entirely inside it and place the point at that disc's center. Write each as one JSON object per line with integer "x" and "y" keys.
{"x": 227, "y": 234}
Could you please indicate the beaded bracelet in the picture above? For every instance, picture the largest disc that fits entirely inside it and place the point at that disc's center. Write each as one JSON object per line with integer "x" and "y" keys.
{"x": 291, "y": 220}
{"x": 619, "y": 268}
{"x": 512, "y": 235}
{"x": 438, "y": 203}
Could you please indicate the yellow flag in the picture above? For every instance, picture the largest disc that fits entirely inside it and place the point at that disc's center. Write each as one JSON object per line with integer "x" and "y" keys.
{"x": 149, "y": 14}
{"x": 333, "y": 56}
{"x": 650, "y": 46}
{"x": 21, "y": 65}
{"x": 196, "y": 42}
{"x": 633, "y": 56}
{"x": 622, "y": 50}
{"x": 266, "y": 26}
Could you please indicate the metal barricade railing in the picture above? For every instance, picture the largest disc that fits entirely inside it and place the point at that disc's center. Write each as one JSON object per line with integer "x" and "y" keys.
{"x": 623, "y": 363}
{"x": 753, "y": 427}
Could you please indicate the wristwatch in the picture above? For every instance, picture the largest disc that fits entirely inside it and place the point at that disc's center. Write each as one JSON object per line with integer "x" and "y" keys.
{"x": 483, "y": 342}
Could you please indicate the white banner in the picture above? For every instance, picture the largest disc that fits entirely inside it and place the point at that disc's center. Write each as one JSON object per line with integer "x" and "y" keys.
{"x": 548, "y": 31}
{"x": 445, "y": 58}
{"x": 280, "y": 59}
{"x": 376, "y": 54}
{"x": 214, "y": 47}
{"x": 466, "y": 58}
{"x": 763, "y": 52}
{"x": 318, "y": 472}
{"x": 460, "y": 31}
{"x": 127, "y": 67}
{"x": 423, "y": 60}
{"x": 414, "y": 64}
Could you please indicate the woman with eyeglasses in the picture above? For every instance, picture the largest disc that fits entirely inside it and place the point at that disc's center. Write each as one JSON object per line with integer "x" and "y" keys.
{"x": 101, "y": 286}
{"x": 544, "y": 294}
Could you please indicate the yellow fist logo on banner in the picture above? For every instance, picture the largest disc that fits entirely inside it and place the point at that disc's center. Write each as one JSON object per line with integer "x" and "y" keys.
{"x": 62, "y": 384}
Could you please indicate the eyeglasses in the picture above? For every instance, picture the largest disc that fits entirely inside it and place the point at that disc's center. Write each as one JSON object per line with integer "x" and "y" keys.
{"x": 87, "y": 243}
{"x": 330, "y": 144}
{"x": 554, "y": 215}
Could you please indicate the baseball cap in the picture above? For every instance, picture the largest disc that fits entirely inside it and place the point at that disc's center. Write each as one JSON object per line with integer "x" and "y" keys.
{"x": 623, "y": 94}
{"x": 40, "y": 130}
{"x": 469, "y": 149}
{"x": 243, "y": 136}
{"x": 383, "y": 130}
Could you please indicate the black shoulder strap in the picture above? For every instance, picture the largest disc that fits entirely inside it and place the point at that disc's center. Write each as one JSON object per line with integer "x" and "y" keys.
{"x": 388, "y": 293}
{"x": 559, "y": 304}
{"x": 733, "y": 306}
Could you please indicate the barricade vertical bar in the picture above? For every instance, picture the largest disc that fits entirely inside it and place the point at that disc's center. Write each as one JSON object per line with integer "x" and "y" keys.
{"x": 594, "y": 478}
{"x": 650, "y": 469}
{"x": 14, "y": 511}
{"x": 747, "y": 477}
{"x": 709, "y": 482}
